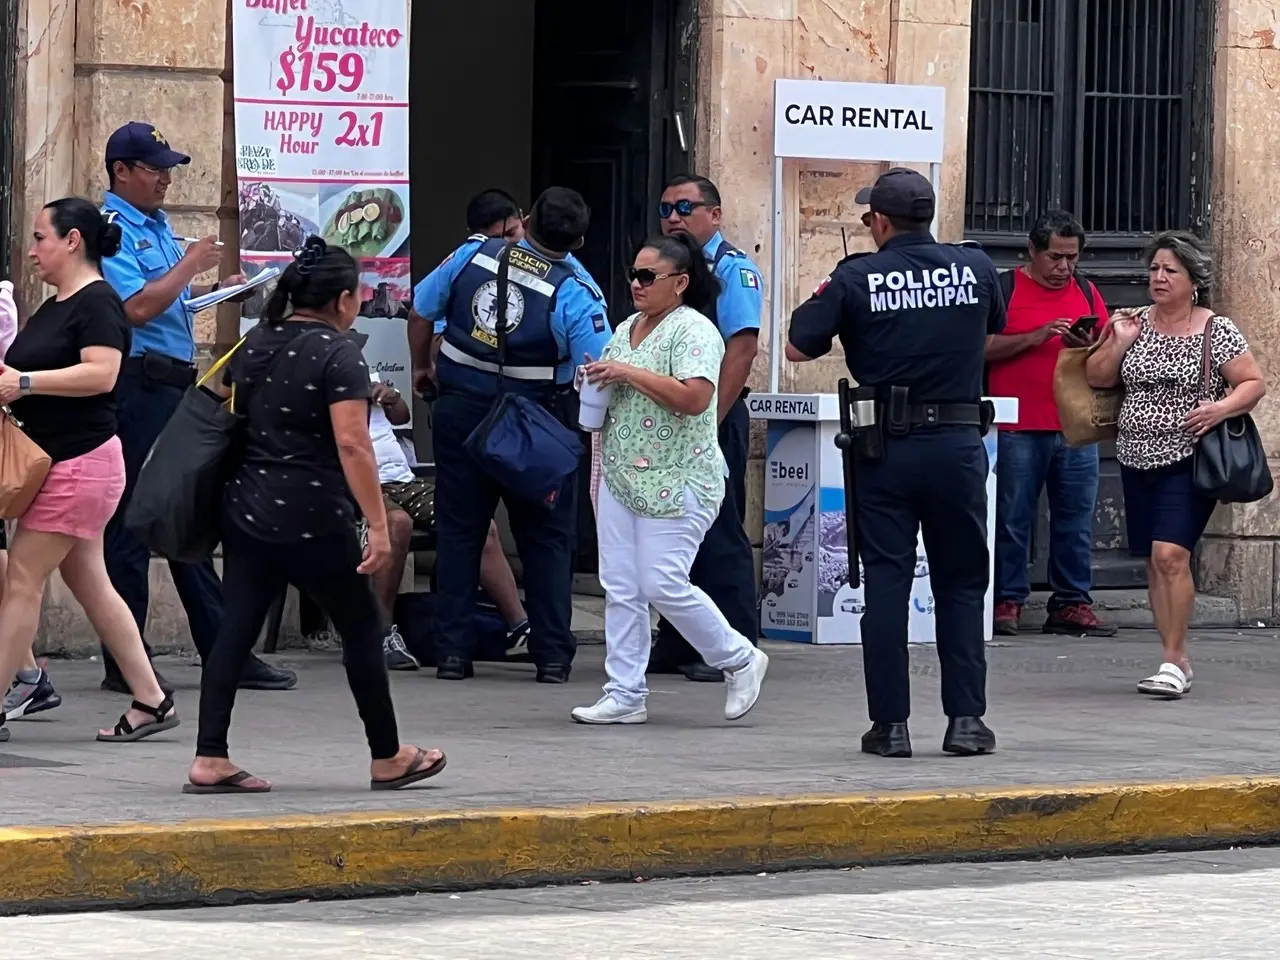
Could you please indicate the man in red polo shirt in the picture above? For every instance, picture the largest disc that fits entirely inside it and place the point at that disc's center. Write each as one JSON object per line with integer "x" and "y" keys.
{"x": 1044, "y": 300}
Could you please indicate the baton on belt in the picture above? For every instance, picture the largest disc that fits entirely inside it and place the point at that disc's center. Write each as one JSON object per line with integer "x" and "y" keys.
{"x": 844, "y": 441}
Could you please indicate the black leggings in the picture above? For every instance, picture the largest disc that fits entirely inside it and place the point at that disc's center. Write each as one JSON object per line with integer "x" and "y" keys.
{"x": 254, "y": 572}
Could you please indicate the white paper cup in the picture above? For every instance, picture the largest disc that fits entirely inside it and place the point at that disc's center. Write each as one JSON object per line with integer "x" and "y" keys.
{"x": 593, "y": 404}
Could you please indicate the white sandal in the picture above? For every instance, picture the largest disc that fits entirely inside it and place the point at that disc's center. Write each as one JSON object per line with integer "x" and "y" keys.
{"x": 1169, "y": 682}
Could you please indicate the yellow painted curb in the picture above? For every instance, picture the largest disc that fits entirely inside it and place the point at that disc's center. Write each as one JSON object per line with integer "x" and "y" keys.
{"x": 59, "y": 868}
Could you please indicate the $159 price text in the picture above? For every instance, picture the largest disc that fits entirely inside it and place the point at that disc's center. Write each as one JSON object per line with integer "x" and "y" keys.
{"x": 327, "y": 58}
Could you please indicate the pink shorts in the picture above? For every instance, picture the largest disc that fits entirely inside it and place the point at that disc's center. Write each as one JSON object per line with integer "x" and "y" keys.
{"x": 80, "y": 495}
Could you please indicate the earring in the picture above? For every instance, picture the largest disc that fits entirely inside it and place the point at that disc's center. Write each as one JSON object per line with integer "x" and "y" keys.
{"x": 1195, "y": 297}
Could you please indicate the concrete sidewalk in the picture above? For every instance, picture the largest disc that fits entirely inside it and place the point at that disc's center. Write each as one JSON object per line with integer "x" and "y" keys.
{"x": 1065, "y": 711}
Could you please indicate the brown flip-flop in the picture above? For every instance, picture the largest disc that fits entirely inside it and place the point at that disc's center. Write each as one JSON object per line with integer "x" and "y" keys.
{"x": 232, "y": 784}
{"x": 417, "y": 772}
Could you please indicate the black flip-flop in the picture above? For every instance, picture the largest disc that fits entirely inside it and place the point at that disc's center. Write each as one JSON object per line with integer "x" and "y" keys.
{"x": 416, "y": 773}
{"x": 231, "y": 784}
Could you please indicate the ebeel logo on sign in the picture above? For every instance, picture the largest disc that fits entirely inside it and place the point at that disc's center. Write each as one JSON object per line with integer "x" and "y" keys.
{"x": 829, "y": 120}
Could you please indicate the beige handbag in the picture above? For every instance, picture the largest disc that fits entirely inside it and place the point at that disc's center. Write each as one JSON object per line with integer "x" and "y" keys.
{"x": 23, "y": 467}
{"x": 1088, "y": 414}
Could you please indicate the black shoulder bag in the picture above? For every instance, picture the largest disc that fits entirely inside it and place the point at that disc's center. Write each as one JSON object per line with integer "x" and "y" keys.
{"x": 1230, "y": 463}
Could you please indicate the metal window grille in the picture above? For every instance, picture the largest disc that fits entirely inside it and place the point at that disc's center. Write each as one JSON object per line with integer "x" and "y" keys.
{"x": 1092, "y": 105}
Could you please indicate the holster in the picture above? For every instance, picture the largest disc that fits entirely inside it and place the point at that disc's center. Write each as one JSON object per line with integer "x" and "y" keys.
{"x": 868, "y": 432}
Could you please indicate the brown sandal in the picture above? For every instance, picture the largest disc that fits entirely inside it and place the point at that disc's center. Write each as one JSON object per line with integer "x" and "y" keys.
{"x": 232, "y": 784}
{"x": 419, "y": 770}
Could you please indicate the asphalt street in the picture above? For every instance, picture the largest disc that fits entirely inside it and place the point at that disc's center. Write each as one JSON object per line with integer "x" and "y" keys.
{"x": 1205, "y": 905}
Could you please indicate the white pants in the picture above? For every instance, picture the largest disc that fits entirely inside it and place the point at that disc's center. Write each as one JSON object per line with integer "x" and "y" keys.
{"x": 646, "y": 560}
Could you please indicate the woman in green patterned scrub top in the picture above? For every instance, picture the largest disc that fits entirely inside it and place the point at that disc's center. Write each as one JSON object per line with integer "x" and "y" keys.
{"x": 663, "y": 479}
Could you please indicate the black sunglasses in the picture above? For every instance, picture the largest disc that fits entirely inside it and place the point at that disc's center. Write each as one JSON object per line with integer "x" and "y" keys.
{"x": 646, "y": 277}
{"x": 683, "y": 207}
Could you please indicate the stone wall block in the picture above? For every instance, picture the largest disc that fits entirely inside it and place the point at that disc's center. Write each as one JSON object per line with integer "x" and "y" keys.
{"x": 760, "y": 9}
{"x": 185, "y": 108}
{"x": 926, "y": 53}
{"x": 949, "y": 12}
{"x": 1242, "y": 569}
{"x": 151, "y": 33}
{"x": 1261, "y": 519}
{"x": 754, "y": 522}
{"x": 843, "y": 40}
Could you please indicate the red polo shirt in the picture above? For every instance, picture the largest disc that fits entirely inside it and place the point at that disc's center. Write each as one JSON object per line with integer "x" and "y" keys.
{"x": 1029, "y": 375}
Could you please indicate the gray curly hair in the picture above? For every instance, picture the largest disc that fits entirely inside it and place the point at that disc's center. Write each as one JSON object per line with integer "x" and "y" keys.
{"x": 1192, "y": 253}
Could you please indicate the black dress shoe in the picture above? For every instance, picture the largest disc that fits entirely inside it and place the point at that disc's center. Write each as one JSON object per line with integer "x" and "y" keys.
{"x": 260, "y": 675}
{"x": 455, "y": 668}
{"x": 113, "y": 682}
{"x": 968, "y": 737}
{"x": 662, "y": 666}
{"x": 701, "y": 673}
{"x": 887, "y": 740}
{"x": 553, "y": 673}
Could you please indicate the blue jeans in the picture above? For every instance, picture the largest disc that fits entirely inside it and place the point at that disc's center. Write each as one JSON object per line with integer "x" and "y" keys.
{"x": 1030, "y": 461}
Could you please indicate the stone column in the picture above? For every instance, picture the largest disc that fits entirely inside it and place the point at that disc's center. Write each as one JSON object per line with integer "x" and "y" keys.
{"x": 1238, "y": 556}
{"x": 161, "y": 63}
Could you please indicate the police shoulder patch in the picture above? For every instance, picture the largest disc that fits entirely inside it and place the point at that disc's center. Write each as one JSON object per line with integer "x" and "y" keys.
{"x": 817, "y": 291}
{"x": 749, "y": 278}
{"x": 599, "y": 323}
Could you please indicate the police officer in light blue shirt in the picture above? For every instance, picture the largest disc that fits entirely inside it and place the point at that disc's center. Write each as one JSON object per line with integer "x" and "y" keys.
{"x": 555, "y": 321}
{"x": 153, "y": 276}
{"x": 724, "y": 568}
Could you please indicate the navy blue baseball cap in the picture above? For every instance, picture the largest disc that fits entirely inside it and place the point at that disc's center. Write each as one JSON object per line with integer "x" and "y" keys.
{"x": 899, "y": 192}
{"x": 143, "y": 143}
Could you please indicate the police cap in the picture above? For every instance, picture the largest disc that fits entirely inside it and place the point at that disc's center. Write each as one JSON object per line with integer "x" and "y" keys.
{"x": 899, "y": 192}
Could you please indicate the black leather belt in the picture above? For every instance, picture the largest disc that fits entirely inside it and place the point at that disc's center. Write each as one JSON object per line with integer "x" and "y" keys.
{"x": 160, "y": 369}
{"x": 945, "y": 414}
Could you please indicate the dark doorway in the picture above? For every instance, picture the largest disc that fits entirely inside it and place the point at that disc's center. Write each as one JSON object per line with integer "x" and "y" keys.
{"x": 1100, "y": 108}
{"x": 524, "y": 94}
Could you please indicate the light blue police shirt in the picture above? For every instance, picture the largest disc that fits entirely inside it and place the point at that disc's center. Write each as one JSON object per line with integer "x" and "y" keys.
{"x": 741, "y": 290}
{"x": 149, "y": 250}
{"x": 579, "y": 323}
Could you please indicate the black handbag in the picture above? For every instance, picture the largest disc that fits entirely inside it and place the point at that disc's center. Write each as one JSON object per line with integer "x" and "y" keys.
{"x": 1229, "y": 464}
{"x": 176, "y": 504}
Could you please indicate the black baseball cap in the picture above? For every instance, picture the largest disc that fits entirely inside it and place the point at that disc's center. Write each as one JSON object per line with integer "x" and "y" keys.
{"x": 143, "y": 143}
{"x": 899, "y": 192}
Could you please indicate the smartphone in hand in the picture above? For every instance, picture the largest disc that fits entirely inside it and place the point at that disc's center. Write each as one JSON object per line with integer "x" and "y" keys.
{"x": 1084, "y": 327}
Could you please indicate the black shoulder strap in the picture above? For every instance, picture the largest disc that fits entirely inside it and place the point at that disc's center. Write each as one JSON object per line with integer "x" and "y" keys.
{"x": 274, "y": 362}
{"x": 500, "y": 309}
{"x": 1087, "y": 289}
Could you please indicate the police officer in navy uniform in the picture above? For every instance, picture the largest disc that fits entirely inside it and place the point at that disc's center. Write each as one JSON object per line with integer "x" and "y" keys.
{"x": 724, "y": 568}
{"x": 913, "y": 319}
{"x": 556, "y": 320}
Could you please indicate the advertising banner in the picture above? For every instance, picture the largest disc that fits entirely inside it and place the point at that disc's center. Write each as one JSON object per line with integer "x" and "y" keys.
{"x": 322, "y": 139}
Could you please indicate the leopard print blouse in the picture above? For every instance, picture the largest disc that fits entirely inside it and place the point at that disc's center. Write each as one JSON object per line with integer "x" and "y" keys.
{"x": 1161, "y": 376}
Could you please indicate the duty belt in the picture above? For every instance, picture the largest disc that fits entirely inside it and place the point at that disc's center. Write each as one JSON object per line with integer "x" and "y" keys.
{"x": 944, "y": 414}
{"x": 161, "y": 369}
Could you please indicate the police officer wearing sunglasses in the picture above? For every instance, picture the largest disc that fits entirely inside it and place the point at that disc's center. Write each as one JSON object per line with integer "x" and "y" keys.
{"x": 555, "y": 320}
{"x": 913, "y": 319}
{"x": 724, "y": 568}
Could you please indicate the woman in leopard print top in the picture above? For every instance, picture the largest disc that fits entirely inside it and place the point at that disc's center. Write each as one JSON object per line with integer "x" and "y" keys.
{"x": 1157, "y": 353}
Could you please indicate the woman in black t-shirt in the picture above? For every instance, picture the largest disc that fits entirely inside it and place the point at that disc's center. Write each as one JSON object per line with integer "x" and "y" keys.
{"x": 288, "y": 518}
{"x": 59, "y": 377}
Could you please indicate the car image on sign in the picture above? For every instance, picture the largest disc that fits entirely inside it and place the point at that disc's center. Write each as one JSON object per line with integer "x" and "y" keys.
{"x": 922, "y": 566}
{"x": 853, "y": 605}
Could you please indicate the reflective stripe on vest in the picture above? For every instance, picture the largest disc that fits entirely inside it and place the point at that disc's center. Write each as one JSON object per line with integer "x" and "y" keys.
{"x": 447, "y": 349}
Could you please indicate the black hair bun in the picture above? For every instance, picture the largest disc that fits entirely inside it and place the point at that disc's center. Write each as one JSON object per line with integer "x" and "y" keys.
{"x": 110, "y": 236}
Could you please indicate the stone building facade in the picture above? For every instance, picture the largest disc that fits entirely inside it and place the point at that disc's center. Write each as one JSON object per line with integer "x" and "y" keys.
{"x": 85, "y": 66}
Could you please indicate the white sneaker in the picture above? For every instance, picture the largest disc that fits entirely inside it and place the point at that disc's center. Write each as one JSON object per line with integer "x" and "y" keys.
{"x": 743, "y": 686}
{"x": 609, "y": 710}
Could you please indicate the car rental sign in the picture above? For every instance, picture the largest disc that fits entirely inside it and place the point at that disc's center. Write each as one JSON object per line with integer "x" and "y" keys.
{"x": 827, "y": 120}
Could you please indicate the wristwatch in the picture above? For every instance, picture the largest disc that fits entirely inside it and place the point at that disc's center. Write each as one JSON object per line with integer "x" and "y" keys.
{"x": 24, "y": 384}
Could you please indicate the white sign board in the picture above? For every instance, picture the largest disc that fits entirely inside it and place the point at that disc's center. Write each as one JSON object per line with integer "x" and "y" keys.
{"x": 829, "y": 120}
